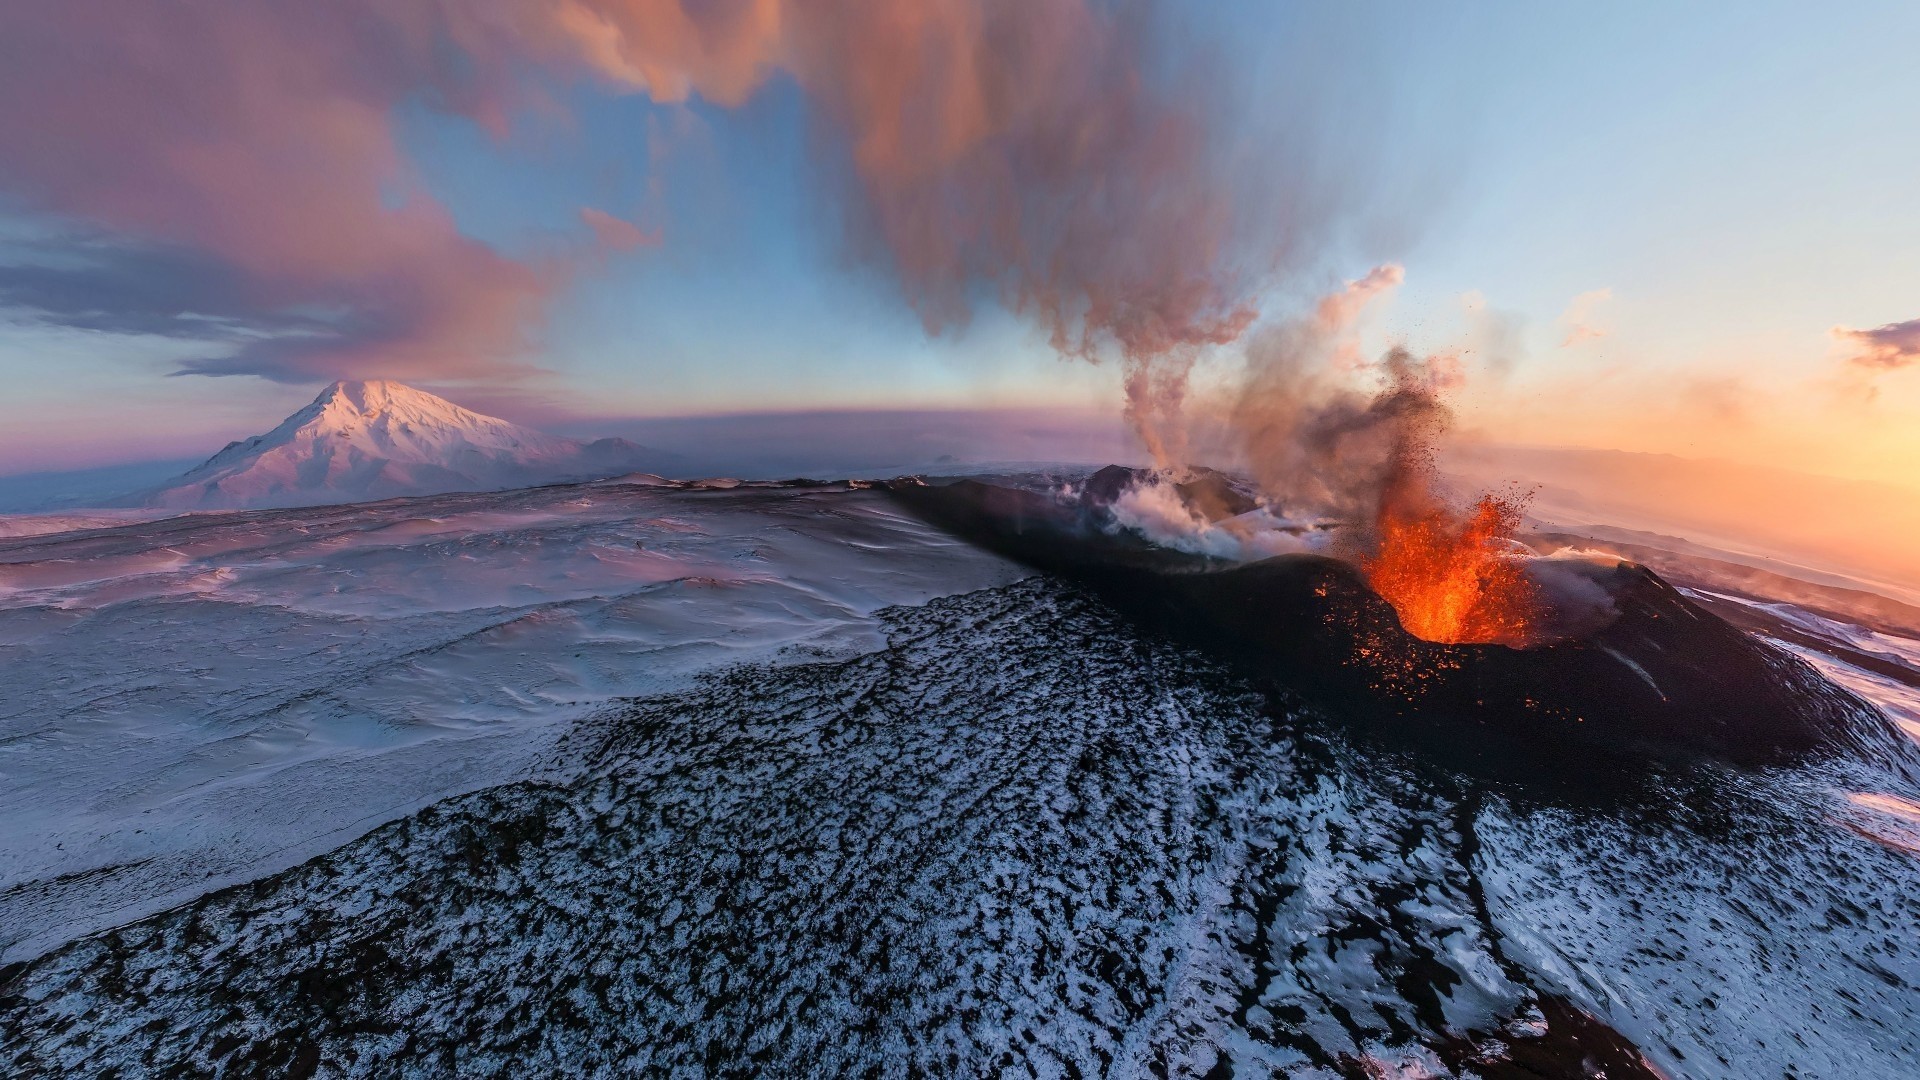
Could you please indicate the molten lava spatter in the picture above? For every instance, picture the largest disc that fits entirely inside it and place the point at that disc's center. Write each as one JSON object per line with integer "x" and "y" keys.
{"x": 1452, "y": 577}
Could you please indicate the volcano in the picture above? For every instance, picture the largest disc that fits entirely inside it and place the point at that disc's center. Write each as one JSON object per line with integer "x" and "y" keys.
{"x": 378, "y": 439}
{"x": 267, "y": 774}
{"x": 1662, "y": 679}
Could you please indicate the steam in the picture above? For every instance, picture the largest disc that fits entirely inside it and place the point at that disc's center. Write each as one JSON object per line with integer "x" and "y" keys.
{"x": 1310, "y": 436}
{"x": 1159, "y": 512}
{"x": 1321, "y": 430}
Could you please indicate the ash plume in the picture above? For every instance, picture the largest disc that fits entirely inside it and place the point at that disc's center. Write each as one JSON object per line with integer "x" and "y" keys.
{"x": 1308, "y": 434}
{"x": 1040, "y": 152}
{"x": 1024, "y": 149}
{"x": 1321, "y": 442}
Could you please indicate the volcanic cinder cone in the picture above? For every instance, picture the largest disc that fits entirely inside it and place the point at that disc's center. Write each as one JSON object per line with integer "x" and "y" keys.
{"x": 1664, "y": 679}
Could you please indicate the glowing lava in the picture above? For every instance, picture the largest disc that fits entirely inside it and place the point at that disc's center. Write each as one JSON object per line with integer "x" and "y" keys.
{"x": 1453, "y": 577}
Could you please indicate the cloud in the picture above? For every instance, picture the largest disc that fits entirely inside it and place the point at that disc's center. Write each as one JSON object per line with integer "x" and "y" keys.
{"x": 1884, "y": 348}
{"x": 1032, "y": 152}
{"x": 1020, "y": 146}
{"x": 259, "y": 137}
{"x": 1579, "y": 318}
{"x": 617, "y": 234}
{"x": 1336, "y": 311}
{"x": 91, "y": 283}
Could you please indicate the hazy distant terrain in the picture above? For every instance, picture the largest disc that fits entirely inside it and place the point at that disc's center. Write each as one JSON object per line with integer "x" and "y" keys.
{"x": 50, "y": 491}
{"x": 1816, "y": 524}
{"x": 752, "y": 446}
{"x": 1812, "y": 524}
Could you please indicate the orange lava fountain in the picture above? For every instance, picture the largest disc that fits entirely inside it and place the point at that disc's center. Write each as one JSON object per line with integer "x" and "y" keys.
{"x": 1450, "y": 576}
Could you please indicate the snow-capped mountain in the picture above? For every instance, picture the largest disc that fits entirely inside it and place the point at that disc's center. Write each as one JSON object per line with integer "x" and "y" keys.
{"x": 377, "y": 439}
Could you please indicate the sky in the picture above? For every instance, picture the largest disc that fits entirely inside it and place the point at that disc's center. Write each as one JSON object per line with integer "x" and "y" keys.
{"x": 1667, "y": 228}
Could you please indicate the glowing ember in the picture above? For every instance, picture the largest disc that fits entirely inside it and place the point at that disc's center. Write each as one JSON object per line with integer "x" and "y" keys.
{"x": 1452, "y": 577}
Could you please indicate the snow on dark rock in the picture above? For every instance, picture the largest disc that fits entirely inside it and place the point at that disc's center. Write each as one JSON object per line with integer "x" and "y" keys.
{"x": 1020, "y": 839}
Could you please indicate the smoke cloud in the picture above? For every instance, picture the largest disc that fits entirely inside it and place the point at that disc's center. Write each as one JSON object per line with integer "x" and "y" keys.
{"x": 1027, "y": 150}
{"x": 1309, "y": 435}
{"x": 1021, "y": 148}
{"x": 1322, "y": 444}
{"x": 1496, "y": 339}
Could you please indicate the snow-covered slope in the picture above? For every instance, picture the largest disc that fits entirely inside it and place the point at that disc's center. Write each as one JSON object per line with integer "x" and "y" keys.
{"x": 633, "y": 779}
{"x": 378, "y": 439}
{"x": 224, "y": 691}
{"x": 639, "y": 778}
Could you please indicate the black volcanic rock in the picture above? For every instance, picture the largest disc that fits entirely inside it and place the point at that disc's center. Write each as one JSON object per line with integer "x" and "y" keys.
{"x": 1666, "y": 679}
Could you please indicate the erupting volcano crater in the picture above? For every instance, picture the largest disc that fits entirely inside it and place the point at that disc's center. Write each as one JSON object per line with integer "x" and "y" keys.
{"x": 1507, "y": 662}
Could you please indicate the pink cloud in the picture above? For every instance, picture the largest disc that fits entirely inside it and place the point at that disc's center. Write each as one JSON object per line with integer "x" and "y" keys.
{"x": 1017, "y": 149}
{"x": 261, "y": 134}
{"x": 617, "y": 234}
{"x": 1337, "y": 311}
{"x": 1883, "y": 348}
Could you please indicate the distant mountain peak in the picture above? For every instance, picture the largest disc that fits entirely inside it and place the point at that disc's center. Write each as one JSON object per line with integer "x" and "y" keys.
{"x": 376, "y": 439}
{"x": 369, "y": 398}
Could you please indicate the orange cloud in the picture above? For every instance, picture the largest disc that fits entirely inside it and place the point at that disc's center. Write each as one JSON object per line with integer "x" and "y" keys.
{"x": 668, "y": 49}
{"x": 1337, "y": 311}
{"x": 1579, "y": 318}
